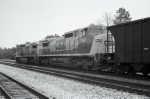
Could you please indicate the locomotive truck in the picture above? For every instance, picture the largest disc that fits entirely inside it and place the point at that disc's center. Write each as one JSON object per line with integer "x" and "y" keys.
{"x": 123, "y": 48}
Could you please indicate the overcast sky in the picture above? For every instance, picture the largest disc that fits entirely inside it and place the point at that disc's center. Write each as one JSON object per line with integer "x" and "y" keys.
{"x": 32, "y": 20}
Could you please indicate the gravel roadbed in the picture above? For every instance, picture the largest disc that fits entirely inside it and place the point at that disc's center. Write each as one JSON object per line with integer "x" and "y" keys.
{"x": 108, "y": 77}
{"x": 61, "y": 88}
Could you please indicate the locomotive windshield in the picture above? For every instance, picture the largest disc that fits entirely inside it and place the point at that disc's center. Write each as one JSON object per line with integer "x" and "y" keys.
{"x": 45, "y": 44}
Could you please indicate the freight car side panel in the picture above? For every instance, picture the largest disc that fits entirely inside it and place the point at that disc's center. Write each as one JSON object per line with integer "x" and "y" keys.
{"x": 132, "y": 41}
{"x": 128, "y": 44}
{"x": 146, "y": 41}
{"x": 120, "y": 48}
{"x": 136, "y": 33}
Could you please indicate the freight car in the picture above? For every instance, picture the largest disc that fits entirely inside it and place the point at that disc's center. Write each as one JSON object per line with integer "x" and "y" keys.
{"x": 132, "y": 47}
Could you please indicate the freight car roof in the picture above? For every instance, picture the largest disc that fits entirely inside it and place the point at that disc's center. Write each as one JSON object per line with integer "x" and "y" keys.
{"x": 132, "y": 41}
{"x": 127, "y": 22}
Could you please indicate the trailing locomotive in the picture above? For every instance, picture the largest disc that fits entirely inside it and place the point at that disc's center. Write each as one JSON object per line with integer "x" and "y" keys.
{"x": 124, "y": 48}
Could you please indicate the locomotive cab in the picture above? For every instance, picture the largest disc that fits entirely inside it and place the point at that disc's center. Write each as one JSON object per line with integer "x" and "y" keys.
{"x": 22, "y": 52}
{"x": 101, "y": 51}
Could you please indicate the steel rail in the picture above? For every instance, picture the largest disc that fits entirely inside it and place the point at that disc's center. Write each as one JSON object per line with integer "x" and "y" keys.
{"x": 38, "y": 94}
{"x": 4, "y": 92}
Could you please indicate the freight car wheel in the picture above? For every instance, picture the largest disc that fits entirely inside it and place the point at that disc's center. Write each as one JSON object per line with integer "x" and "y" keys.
{"x": 131, "y": 72}
{"x": 145, "y": 73}
{"x": 119, "y": 69}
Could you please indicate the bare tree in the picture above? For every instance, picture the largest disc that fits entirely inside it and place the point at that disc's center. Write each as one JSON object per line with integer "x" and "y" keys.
{"x": 106, "y": 19}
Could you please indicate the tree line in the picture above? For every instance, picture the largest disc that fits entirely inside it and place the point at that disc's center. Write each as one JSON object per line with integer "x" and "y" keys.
{"x": 8, "y": 53}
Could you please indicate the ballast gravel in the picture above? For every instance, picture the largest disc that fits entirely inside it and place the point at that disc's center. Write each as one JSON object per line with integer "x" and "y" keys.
{"x": 56, "y": 87}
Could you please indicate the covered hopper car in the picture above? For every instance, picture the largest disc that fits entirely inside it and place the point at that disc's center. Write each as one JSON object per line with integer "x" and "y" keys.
{"x": 132, "y": 47}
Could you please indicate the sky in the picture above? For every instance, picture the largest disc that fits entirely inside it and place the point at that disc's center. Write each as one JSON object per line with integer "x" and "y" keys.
{"x": 24, "y": 21}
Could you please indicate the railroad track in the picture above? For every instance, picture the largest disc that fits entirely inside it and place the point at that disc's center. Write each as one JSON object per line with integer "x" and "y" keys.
{"x": 13, "y": 89}
{"x": 128, "y": 86}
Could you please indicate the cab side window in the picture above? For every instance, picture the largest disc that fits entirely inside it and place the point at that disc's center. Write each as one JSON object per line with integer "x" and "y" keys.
{"x": 45, "y": 44}
{"x": 80, "y": 33}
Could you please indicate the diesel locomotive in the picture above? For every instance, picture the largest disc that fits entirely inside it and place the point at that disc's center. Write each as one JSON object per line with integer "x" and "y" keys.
{"x": 122, "y": 48}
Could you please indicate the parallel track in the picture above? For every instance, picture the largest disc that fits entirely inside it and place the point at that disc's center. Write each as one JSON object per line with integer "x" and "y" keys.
{"x": 3, "y": 94}
{"x": 13, "y": 89}
{"x": 83, "y": 77}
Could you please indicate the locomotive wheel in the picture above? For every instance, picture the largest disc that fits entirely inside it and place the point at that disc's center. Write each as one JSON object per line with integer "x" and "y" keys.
{"x": 46, "y": 62}
{"x": 43, "y": 63}
{"x": 40, "y": 62}
{"x": 28, "y": 60}
{"x": 37, "y": 62}
{"x": 88, "y": 68}
{"x": 120, "y": 69}
{"x": 145, "y": 73}
{"x": 50, "y": 64}
{"x": 98, "y": 70}
{"x": 79, "y": 67}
